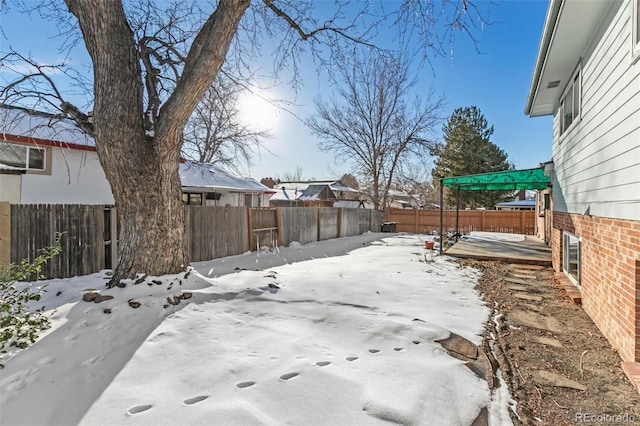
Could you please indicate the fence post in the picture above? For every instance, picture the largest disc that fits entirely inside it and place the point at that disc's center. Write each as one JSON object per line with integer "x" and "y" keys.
{"x": 5, "y": 233}
{"x": 339, "y": 222}
{"x": 278, "y": 227}
{"x": 415, "y": 230}
{"x": 250, "y": 224}
{"x": 113, "y": 217}
{"x": 318, "y": 223}
{"x": 523, "y": 225}
{"x": 482, "y": 221}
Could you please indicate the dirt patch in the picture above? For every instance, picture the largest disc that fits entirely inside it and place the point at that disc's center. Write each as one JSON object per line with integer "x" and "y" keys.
{"x": 558, "y": 366}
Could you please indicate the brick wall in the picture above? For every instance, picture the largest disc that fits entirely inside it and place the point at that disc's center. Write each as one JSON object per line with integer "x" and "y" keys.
{"x": 610, "y": 275}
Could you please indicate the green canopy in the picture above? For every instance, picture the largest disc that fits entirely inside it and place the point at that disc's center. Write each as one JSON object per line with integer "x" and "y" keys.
{"x": 500, "y": 181}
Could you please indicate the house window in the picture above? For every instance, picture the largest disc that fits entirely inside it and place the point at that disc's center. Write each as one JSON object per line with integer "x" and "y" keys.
{"x": 570, "y": 104}
{"x": 192, "y": 198}
{"x": 571, "y": 257}
{"x": 23, "y": 157}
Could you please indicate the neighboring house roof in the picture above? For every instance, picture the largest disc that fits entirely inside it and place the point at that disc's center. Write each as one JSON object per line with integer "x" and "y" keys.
{"x": 40, "y": 128}
{"x": 288, "y": 191}
{"x": 317, "y": 192}
{"x": 18, "y": 125}
{"x": 568, "y": 29}
{"x": 209, "y": 178}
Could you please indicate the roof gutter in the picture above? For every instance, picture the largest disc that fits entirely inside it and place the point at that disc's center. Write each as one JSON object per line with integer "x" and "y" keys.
{"x": 550, "y": 23}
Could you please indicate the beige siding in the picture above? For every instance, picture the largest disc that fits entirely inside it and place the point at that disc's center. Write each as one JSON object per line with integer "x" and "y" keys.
{"x": 597, "y": 162}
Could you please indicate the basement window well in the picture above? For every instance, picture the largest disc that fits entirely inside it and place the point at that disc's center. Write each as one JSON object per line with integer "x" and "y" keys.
{"x": 571, "y": 257}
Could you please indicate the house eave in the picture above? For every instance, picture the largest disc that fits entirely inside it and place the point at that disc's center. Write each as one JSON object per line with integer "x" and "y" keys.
{"x": 569, "y": 28}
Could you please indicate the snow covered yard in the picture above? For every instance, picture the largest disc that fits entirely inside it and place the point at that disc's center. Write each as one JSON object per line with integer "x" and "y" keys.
{"x": 340, "y": 340}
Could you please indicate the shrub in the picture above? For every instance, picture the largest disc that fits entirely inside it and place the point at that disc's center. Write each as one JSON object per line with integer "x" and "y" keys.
{"x": 20, "y": 325}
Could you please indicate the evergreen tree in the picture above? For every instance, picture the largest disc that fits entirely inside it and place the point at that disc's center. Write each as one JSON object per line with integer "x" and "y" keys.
{"x": 467, "y": 150}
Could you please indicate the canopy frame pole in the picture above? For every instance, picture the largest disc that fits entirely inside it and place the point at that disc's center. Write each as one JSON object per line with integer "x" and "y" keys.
{"x": 441, "y": 214}
{"x": 457, "y": 211}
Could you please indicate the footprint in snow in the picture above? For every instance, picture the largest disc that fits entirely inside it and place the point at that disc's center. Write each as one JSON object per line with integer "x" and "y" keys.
{"x": 397, "y": 349}
{"x": 352, "y": 358}
{"x": 243, "y": 385}
{"x": 288, "y": 376}
{"x": 374, "y": 351}
{"x": 47, "y": 360}
{"x": 138, "y": 409}
{"x": 195, "y": 399}
{"x": 93, "y": 360}
{"x": 322, "y": 363}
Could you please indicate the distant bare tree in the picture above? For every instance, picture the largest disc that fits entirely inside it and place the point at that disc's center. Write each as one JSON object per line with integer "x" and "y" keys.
{"x": 215, "y": 132}
{"x": 350, "y": 180}
{"x": 375, "y": 122}
{"x": 293, "y": 176}
{"x": 415, "y": 180}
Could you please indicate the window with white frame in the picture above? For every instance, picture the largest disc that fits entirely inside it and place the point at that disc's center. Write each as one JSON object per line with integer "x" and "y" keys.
{"x": 23, "y": 157}
{"x": 571, "y": 256}
{"x": 635, "y": 30}
{"x": 570, "y": 104}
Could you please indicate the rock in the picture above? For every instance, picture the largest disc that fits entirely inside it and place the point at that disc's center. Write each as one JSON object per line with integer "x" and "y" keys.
{"x": 102, "y": 298}
{"x": 140, "y": 279}
{"x": 272, "y": 285}
{"x": 517, "y": 281}
{"x": 107, "y": 311}
{"x": 156, "y": 282}
{"x": 532, "y": 319}
{"x": 482, "y": 419}
{"x": 134, "y": 304}
{"x": 529, "y": 297}
{"x": 187, "y": 295}
{"x": 529, "y": 267}
{"x": 549, "y": 341}
{"x": 90, "y": 297}
{"x": 524, "y": 276}
{"x": 459, "y": 345}
{"x": 553, "y": 379}
{"x": 516, "y": 287}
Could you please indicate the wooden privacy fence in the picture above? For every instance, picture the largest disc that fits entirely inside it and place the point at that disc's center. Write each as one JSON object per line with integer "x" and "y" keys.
{"x": 89, "y": 232}
{"x": 425, "y": 221}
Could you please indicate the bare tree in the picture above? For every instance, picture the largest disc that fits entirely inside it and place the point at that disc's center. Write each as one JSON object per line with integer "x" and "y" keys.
{"x": 152, "y": 63}
{"x": 293, "y": 176}
{"x": 375, "y": 123}
{"x": 415, "y": 180}
{"x": 349, "y": 180}
{"x": 215, "y": 132}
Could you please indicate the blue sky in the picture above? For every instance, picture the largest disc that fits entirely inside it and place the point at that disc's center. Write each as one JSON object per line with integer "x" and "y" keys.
{"x": 496, "y": 80}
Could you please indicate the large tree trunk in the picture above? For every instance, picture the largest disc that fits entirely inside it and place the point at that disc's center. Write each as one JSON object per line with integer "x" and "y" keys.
{"x": 142, "y": 165}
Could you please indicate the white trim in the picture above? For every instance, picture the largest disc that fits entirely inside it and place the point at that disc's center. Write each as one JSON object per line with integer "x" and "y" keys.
{"x": 565, "y": 257}
{"x": 635, "y": 31}
{"x": 28, "y": 149}
{"x": 571, "y": 84}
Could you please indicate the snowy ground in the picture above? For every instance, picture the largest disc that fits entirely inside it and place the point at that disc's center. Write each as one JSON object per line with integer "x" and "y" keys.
{"x": 339, "y": 332}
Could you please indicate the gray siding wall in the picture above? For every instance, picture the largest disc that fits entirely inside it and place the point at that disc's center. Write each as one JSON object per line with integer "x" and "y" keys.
{"x": 597, "y": 161}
